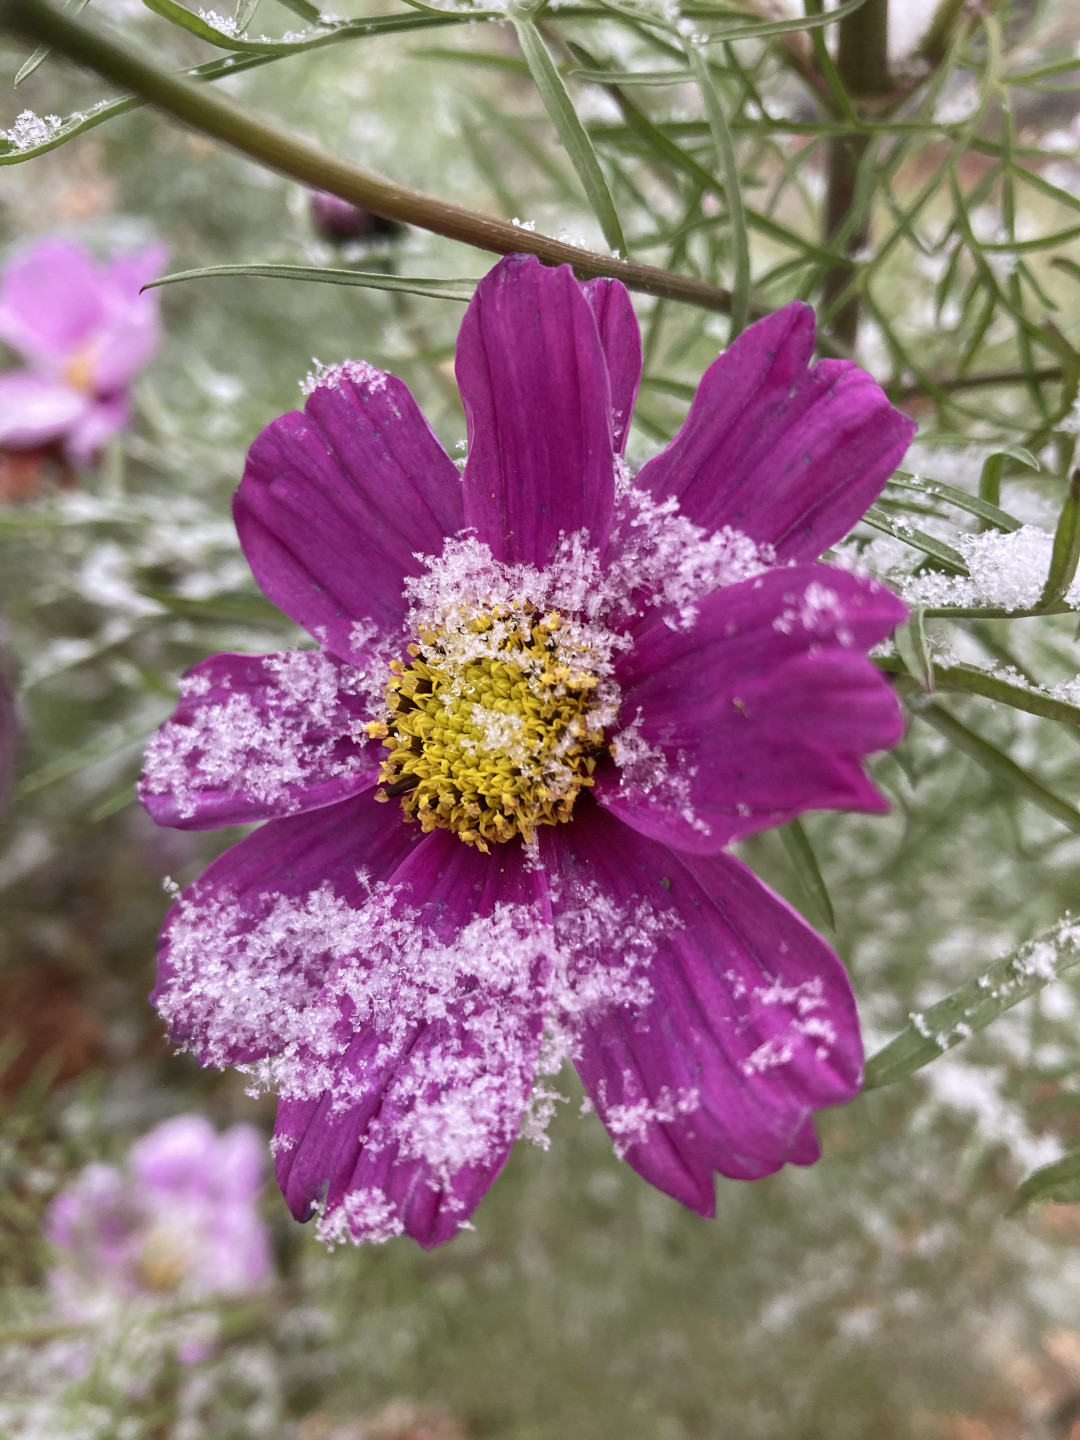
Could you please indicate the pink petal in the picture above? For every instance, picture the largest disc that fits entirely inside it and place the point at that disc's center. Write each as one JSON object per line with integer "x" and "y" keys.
{"x": 259, "y": 736}
{"x": 35, "y": 410}
{"x": 788, "y": 454}
{"x": 750, "y": 1028}
{"x": 436, "y": 1027}
{"x": 99, "y": 422}
{"x": 534, "y": 384}
{"x": 248, "y": 946}
{"x": 128, "y": 273}
{"x": 130, "y": 330}
{"x": 177, "y": 1156}
{"x": 51, "y": 301}
{"x": 620, "y": 338}
{"x": 337, "y": 502}
{"x": 760, "y": 711}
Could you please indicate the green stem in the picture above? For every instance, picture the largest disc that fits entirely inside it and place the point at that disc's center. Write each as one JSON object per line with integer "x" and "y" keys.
{"x": 221, "y": 118}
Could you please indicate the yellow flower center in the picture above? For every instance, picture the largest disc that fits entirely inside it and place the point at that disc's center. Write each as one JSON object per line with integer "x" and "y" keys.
{"x": 162, "y": 1264}
{"x": 79, "y": 371}
{"x": 493, "y": 727}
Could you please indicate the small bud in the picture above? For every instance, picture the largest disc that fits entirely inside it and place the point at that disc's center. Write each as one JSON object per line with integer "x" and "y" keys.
{"x": 338, "y": 221}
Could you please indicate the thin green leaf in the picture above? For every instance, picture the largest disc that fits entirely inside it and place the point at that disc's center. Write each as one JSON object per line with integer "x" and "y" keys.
{"x": 1040, "y": 242}
{"x": 756, "y": 30}
{"x": 1070, "y": 267}
{"x": 118, "y": 799}
{"x": 1066, "y": 551}
{"x": 245, "y": 13}
{"x": 827, "y": 66}
{"x": 725, "y": 156}
{"x": 938, "y": 489}
{"x": 41, "y": 54}
{"x": 654, "y": 138}
{"x": 366, "y": 279}
{"x": 327, "y": 33}
{"x": 946, "y": 556}
{"x": 996, "y": 763}
{"x": 111, "y": 743}
{"x": 976, "y": 1004}
{"x": 571, "y": 132}
{"x": 992, "y": 471}
{"x": 1057, "y": 1181}
{"x": 910, "y": 640}
{"x": 989, "y": 612}
{"x": 632, "y": 77}
{"x": 804, "y": 863}
{"x": 970, "y": 680}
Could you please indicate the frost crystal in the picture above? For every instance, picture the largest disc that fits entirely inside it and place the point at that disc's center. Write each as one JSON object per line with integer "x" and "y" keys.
{"x": 331, "y": 376}
{"x": 663, "y": 559}
{"x": 30, "y": 130}
{"x": 1008, "y": 570}
{"x": 631, "y": 1124}
{"x": 225, "y": 24}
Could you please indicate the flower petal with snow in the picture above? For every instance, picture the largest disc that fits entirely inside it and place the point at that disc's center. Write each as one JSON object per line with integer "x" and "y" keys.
{"x": 548, "y": 694}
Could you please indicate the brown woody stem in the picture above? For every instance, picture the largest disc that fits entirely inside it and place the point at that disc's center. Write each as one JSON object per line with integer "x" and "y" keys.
{"x": 215, "y": 115}
{"x": 862, "y": 63}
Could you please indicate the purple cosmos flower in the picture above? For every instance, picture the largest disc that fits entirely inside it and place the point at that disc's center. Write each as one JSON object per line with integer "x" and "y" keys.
{"x": 547, "y": 695}
{"x": 85, "y": 332}
{"x": 181, "y": 1220}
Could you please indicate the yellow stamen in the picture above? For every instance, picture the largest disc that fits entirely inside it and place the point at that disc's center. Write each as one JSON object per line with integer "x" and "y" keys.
{"x": 490, "y": 731}
{"x": 79, "y": 371}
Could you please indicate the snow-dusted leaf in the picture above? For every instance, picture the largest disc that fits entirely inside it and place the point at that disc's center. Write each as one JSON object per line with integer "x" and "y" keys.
{"x": 973, "y": 504}
{"x": 226, "y": 33}
{"x": 971, "y": 680}
{"x": 945, "y": 555}
{"x": 977, "y": 1003}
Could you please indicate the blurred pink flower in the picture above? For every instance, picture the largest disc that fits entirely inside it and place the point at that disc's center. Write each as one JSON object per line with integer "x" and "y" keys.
{"x": 85, "y": 332}
{"x": 181, "y": 1220}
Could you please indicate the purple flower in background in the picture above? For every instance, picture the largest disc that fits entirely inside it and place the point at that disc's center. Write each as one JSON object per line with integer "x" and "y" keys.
{"x": 339, "y": 221}
{"x": 84, "y": 332}
{"x": 547, "y": 695}
{"x": 181, "y": 1220}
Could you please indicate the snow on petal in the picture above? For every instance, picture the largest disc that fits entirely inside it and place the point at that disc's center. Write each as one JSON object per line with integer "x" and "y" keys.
{"x": 261, "y": 735}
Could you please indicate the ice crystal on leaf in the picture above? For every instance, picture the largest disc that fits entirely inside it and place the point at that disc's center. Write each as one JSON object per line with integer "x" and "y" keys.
{"x": 498, "y": 798}
{"x": 30, "y": 130}
{"x": 1008, "y": 570}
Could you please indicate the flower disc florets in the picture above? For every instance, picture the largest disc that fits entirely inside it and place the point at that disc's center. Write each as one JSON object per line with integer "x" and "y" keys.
{"x": 494, "y": 726}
